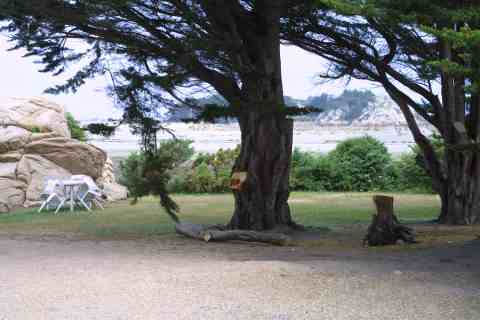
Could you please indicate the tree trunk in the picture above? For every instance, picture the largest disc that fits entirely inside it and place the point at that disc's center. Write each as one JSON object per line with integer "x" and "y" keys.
{"x": 261, "y": 202}
{"x": 461, "y": 195}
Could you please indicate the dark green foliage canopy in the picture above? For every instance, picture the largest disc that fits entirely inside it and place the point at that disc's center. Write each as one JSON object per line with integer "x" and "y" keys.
{"x": 149, "y": 48}
{"x": 101, "y": 129}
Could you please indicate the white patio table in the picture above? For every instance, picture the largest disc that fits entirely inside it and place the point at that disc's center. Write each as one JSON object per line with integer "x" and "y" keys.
{"x": 70, "y": 187}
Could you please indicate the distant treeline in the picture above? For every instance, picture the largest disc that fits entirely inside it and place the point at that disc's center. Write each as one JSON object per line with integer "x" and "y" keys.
{"x": 352, "y": 103}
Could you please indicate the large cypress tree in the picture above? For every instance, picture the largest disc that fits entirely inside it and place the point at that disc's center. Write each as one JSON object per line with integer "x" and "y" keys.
{"x": 425, "y": 54}
{"x": 152, "y": 47}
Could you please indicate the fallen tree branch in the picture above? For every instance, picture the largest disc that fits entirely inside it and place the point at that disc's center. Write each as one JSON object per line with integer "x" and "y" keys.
{"x": 214, "y": 233}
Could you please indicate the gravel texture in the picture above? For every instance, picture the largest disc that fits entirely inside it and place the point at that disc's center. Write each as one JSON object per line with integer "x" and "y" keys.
{"x": 175, "y": 278}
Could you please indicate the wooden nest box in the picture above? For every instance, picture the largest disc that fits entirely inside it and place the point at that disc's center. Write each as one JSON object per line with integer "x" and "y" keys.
{"x": 238, "y": 179}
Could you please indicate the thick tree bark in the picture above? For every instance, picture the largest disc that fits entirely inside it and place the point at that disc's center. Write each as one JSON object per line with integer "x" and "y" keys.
{"x": 461, "y": 194}
{"x": 261, "y": 203}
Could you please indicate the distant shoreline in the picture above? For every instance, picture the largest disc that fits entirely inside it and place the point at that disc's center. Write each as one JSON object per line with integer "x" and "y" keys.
{"x": 308, "y": 136}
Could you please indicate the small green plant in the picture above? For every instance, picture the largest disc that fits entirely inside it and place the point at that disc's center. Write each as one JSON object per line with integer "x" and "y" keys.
{"x": 35, "y": 130}
{"x": 76, "y": 130}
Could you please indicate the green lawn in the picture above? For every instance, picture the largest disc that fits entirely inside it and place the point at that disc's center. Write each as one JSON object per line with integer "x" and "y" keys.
{"x": 122, "y": 220}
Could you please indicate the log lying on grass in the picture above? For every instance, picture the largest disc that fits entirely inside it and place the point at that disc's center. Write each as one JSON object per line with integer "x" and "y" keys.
{"x": 385, "y": 228}
{"x": 216, "y": 233}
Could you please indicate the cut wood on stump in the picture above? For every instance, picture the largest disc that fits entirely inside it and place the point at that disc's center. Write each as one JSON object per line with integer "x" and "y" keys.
{"x": 385, "y": 228}
{"x": 217, "y": 233}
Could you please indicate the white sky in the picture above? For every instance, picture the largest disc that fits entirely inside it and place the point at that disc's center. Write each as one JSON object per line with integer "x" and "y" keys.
{"x": 19, "y": 77}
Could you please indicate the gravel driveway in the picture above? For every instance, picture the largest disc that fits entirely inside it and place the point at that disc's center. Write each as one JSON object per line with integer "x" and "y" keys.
{"x": 175, "y": 278}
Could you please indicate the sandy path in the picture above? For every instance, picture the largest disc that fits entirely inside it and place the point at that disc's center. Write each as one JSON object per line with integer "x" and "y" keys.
{"x": 60, "y": 278}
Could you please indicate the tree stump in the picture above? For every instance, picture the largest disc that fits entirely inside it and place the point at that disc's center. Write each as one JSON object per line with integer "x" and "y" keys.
{"x": 385, "y": 228}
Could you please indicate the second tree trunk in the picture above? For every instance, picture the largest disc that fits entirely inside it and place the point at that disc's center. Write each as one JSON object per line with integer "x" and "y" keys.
{"x": 460, "y": 194}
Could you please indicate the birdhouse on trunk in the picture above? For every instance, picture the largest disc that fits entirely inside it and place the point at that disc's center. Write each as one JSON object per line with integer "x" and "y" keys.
{"x": 238, "y": 179}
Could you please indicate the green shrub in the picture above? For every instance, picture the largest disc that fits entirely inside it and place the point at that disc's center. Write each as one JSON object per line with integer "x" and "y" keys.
{"x": 133, "y": 169}
{"x": 310, "y": 172}
{"x": 140, "y": 177}
{"x": 222, "y": 158}
{"x": 175, "y": 151}
{"x": 178, "y": 182}
{"x": 412, "y": 175}
{"x": 391, "y": 182}
{"x": 201, "y": 180}
{"x": 210, "y": 173}
{"x": 360, "y": 164}
{"x": 75, "y": 130}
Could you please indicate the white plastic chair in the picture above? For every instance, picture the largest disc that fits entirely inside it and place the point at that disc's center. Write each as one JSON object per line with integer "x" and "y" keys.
{"x": 51, "y": 194}
{"x": 89, "y": 192}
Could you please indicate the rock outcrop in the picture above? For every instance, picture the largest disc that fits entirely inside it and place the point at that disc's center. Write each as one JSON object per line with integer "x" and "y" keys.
{"x": 35, "y": 143}
{"x": 34, "y": 115}
{"x": 73, "y": 155}
{"x": 380, "y": 113}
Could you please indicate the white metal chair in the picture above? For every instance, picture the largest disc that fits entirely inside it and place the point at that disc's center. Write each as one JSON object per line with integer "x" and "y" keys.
{"x": 88, "y": 193}
{"x": 51, "y": 194}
